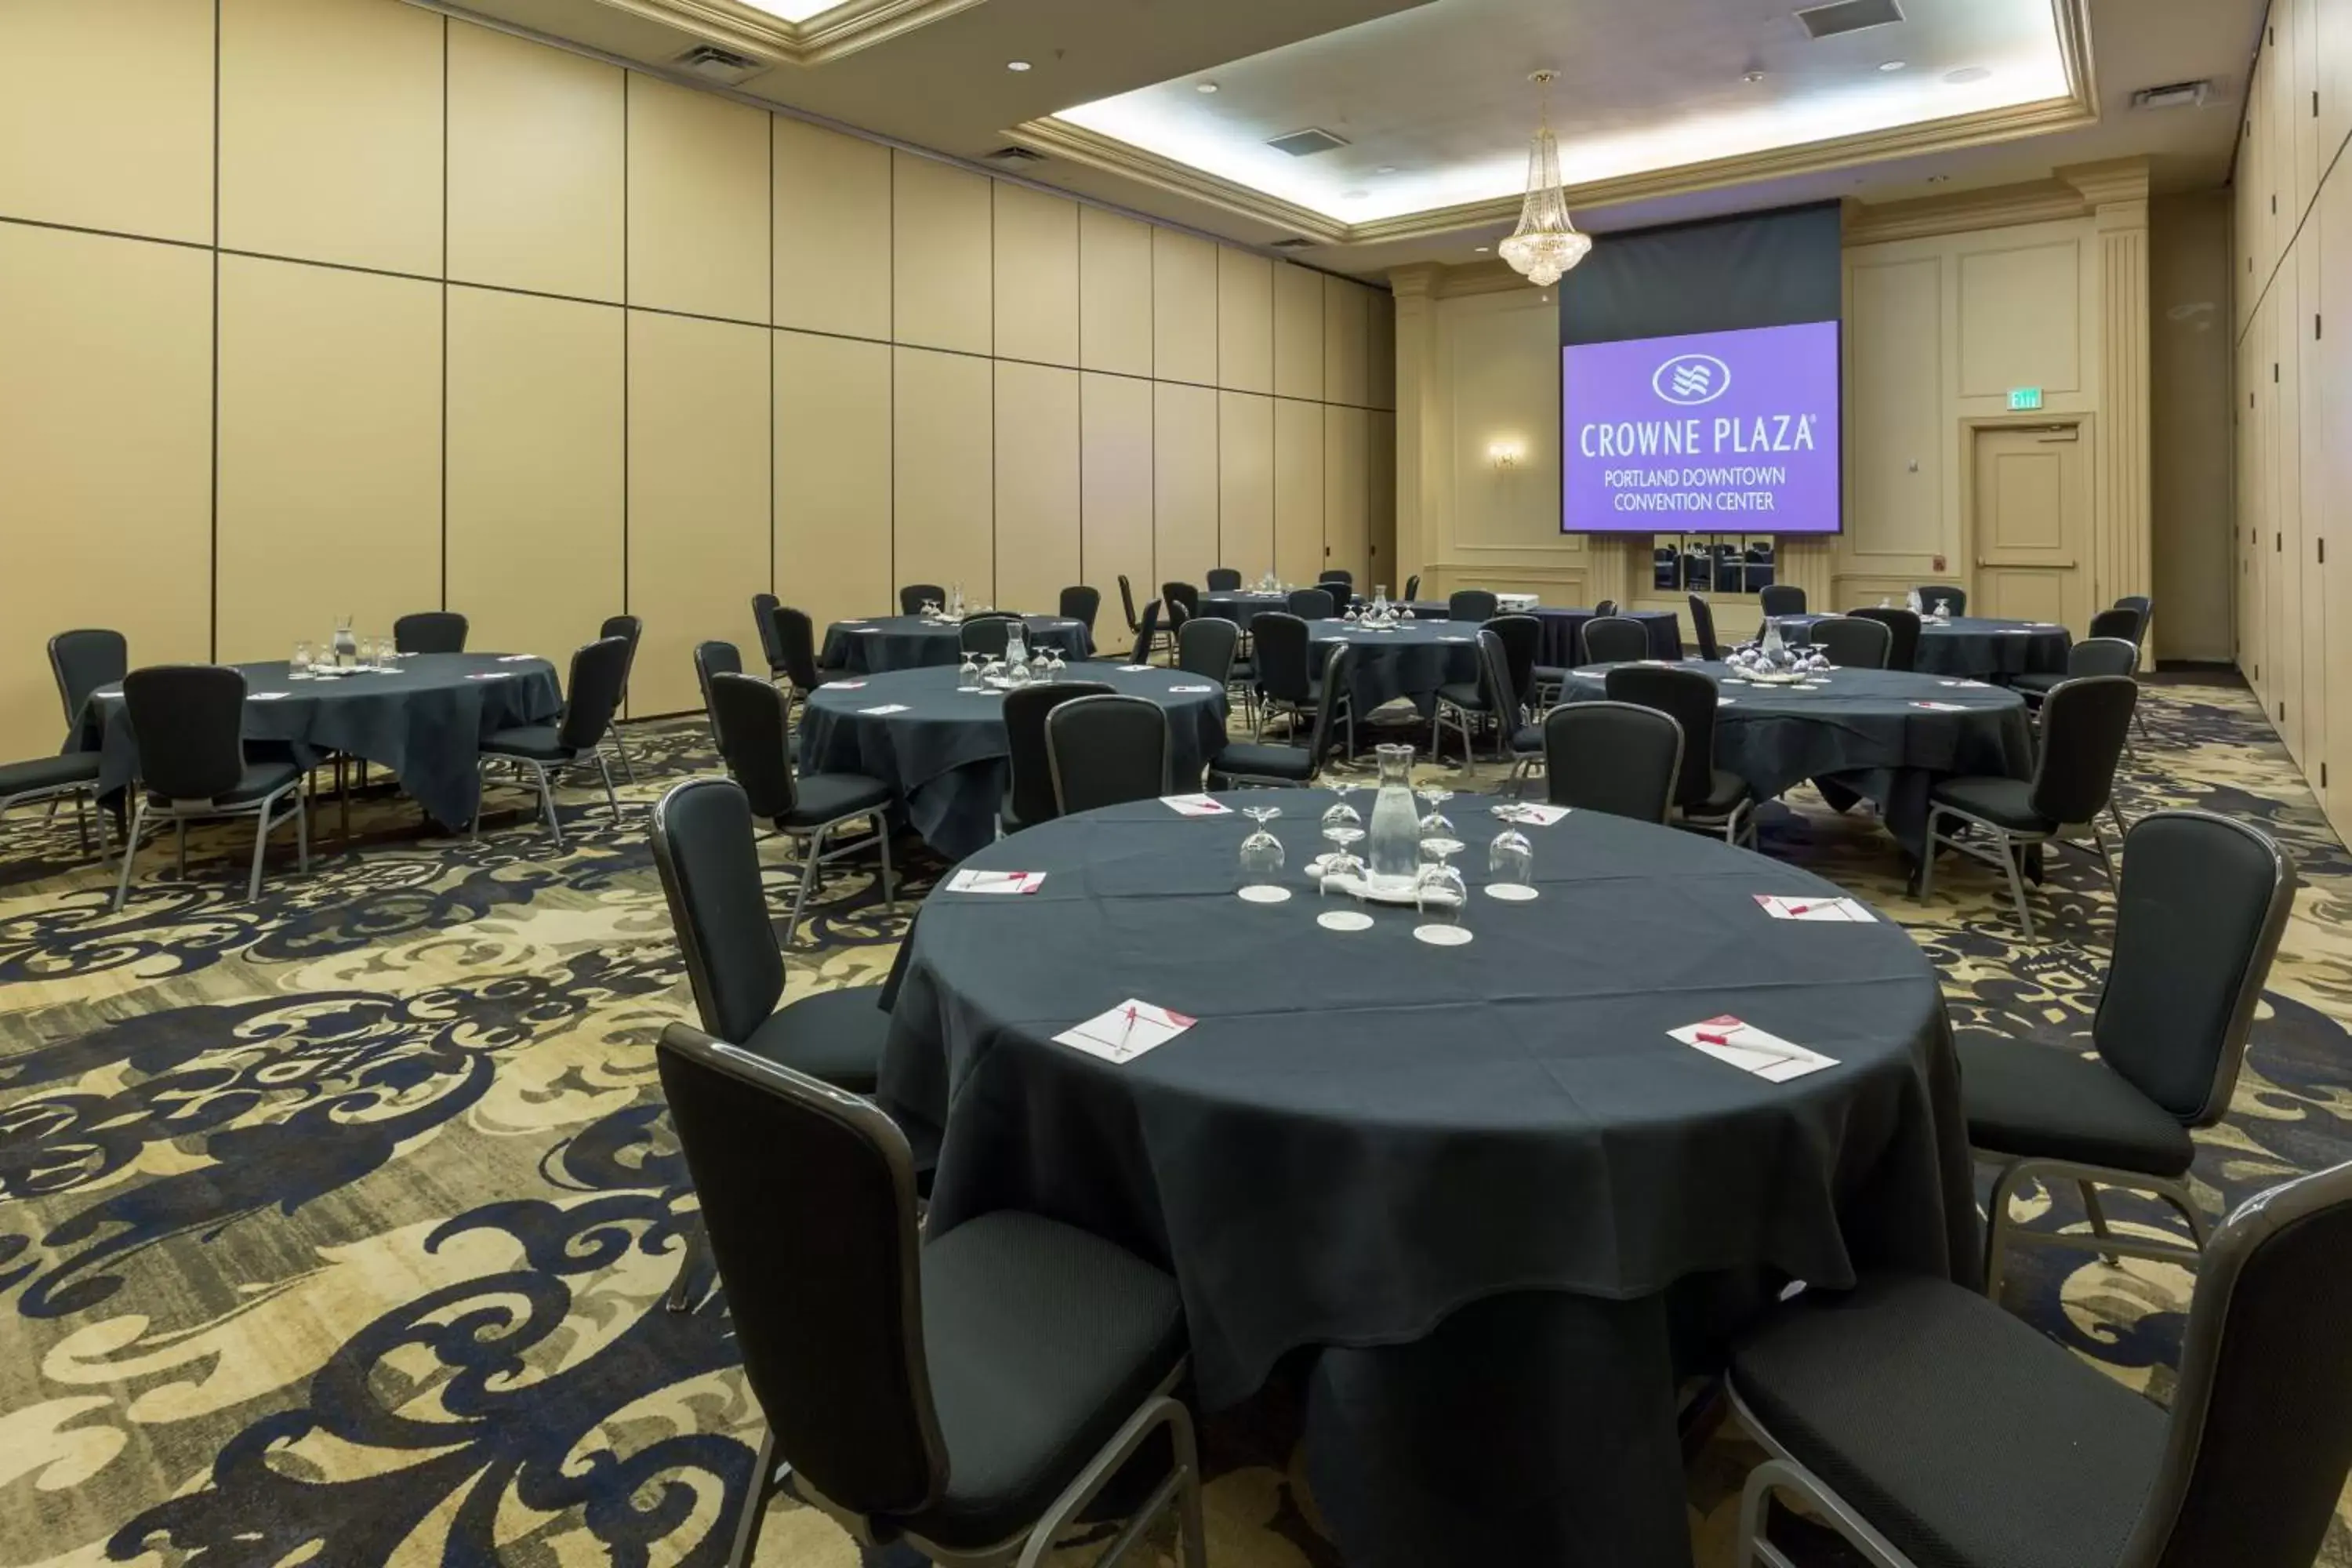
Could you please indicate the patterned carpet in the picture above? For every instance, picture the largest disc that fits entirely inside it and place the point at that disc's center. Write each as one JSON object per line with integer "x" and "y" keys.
{"x": 335, "y": 1228}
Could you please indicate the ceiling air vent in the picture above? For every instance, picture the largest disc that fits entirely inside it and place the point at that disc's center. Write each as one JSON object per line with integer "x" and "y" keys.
{"x": 719, "y": 65}
{"x": 1295, "y": 242}
{"x": 1015, "y": 155}
{"x": 1849, "y": 16}
{"x": 1307, "y": 144}
{"x": 2175, "y": 95}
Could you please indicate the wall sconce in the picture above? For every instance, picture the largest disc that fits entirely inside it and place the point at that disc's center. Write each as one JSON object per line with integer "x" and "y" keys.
{"x": 1505, "y": 455}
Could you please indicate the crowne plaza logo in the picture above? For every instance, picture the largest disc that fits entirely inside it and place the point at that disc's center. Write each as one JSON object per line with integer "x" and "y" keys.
{"x": 1690, "y": 380}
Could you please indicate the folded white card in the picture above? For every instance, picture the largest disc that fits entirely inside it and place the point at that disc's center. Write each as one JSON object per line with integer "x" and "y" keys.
{"x": 975, "y": 881}
{"x": 844, "y": 686}
{"x": 1975, "y": 683}
{"x": 1832, "y": 909}
{"x": 1189, "y": 691}
{"x": 517, "y": 658}
{"x": 268, "y": 697}
{"x": 1532, "y": 813}
{"x": 1195, "y": 804}
{"x": 1126, "y": 1031}
{"x": 492, "y": 674}
{"x": 1943, "y": 707}
{"x": 1751, "y": 1049}
{"x": 1133, "y": 668}
{"x": 878, "y": 712}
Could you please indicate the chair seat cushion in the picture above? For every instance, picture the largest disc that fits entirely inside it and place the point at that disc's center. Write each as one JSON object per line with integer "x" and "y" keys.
{"x": 1465, "y": 695}
{"x": 829, "y": 798}
{"x": 834, "y": 1036}
{"x": 533, "y": 743}
{"x": 2005, "y": 802}
{"x": 1041, "y": 1340}
{"x": 1250, "y": 759}
{"x": 262, "y": 777}
{"x": 1959, "y": 1432}
{"x": 1724, "y": 791}
{"x": 1527, "y": 741}
{"x": 1550, "y": 674}
{"x": 48, "y": 773}
{"x": 2041, "y": 1100}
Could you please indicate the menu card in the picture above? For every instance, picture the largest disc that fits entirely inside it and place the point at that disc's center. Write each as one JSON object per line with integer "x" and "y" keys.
{"x": 1532, "y": 813}
{"x": 1848, "y": 911}
{"x": 1195, "y": 804}
{"x": 969, "y": 880}
{"x": 1751, "y": 1049}
{"x": 1126, "y": 1031}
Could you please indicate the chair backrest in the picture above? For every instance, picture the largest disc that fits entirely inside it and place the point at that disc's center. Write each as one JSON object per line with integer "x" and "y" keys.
{"x": 1702, "y": 623}
{"x": 807, "y": 1196}
{"x": 430, "y": 631}
{"x": 1309, "y": 605}
{"x": 600, "y": 675}
{"x": 83, "y": 661}
{"x": 912, "y": 597}
{"x": 752, "y": 741}
{"x": 1495, "y": 674}
{"x": 763, "y": 615}
{"x": 714, "y": 658}
{"x": 1081, "y": 603}
{"x": 1903, "y": 629}
{"x": 1104, "y": 751}
{"x": 2145, "y": 609}
{"x": 1030, "y": 782}
{"x": 190, "y": 721}
{"x": 1471, "y": 605}
{"x": 986, "y": 633}
{"x": 1127, "y": 601}
{"x": 1146, "y": 630}
{"x": 1934, "y": 596}
{"x": 2260, "y": 1428}
{"x": 1340, "y": 578}
{"x": 1204, "y": 646}
{"x": 1605, "y": 607}
{"x": 1412, "y": 587}
{"x": 1283, "y": 671}
{"x": 1183, "y": 593}
{"x": 2101, "y": 656}
{"x": 1522, "y": 640}
{"x": 2085, "y": 724}
{"x": 1612, "y": 639}
{"x": 1615, "y": 757}
{"x": 1851, "y": 643}
{"x": 628, "y": 628}
{"x": 1175, "y": 611}
{"x": 2122, "y": 621}
{"x": 708, "y": 858}
{"x": 796, "y": 644}
{"x": 1783, "y": 599}
{"x": 2202, "y": 904}
{"x": 1333, "y": 695}
{"x": 1223, "y": 580}
{"x": 1688, "y": 697}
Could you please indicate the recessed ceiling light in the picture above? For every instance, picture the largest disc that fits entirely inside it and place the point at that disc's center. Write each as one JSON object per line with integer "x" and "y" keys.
{"x": 1482, "y": 249}
{"x": 1937, "y": 179}
{"x": 1892, "y": 65}
{"x": 1386, "y": 169}
{"x": 1204, "y": 87}
{"x": 1353, "y": 196}
{"x": 1752, "y": 75}
{"x": 1966, "y": 75}
{"x": 1016, "y": 65}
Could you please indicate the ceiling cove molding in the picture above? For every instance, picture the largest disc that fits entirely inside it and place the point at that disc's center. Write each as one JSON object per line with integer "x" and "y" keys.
{"x": 843, "y": 30}
{"x": 1999, "y": 207}
{"x": 2078, "y": 109}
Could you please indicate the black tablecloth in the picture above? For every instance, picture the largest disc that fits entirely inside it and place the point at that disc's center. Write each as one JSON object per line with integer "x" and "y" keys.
{"x": 1365, "y": 1135}
{"x": 944, "y": 756}
{"x": 910, "y": 642}
{"x": 424, "y": 723}
{"x": 1561, "y": 628}
{"x": 1863, "y": 732}
{"x": 1411, "y": 660}
{"x": 1242, "y": 608}
{"x": 1973, "y": 645}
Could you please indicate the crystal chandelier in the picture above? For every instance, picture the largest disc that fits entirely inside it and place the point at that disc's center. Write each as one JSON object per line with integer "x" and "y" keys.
{"x": 1546, "y": 243}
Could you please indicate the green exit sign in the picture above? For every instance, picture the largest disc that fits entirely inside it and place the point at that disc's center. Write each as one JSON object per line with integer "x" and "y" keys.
{"x": 2024, "y": 399}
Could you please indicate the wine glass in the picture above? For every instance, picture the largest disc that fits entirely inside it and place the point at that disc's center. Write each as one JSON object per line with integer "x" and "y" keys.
{"x": 1262, "y": 861}
{"x": 1433, "y": 823}
{"x": 298, "y": 667}
{"x": 1343, "y": 826}
{"x": 1439, "y": 894}
{"x": 993, "y": 672}
{"x": 1510, "y": 866}
{"x": 968, "y": 672}
{"x": 1056, "y": 668}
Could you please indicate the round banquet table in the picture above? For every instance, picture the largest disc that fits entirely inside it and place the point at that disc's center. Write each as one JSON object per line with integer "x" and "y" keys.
{"x": 1471, "y": 1182}
{"x": 910, "y": 642}
{"x": 1859, "y": 733}
{"x": 1562, "y": 627}
{"x": 942, "y": 754}
{"x": 1409, "y": 660}
{"x": 423, "y": 721}
{"x": 1973, "y": 647}
{"x": 1242, "y": 607}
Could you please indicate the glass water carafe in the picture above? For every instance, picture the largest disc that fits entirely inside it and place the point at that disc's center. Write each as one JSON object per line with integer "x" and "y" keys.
{"x": 346, "y": 644}
{"x": 1016, "y": 643}
{"x": 1394, "y": 837}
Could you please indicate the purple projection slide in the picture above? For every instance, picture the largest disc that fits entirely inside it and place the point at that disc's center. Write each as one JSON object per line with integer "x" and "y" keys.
{"x": 1713, "y": 433}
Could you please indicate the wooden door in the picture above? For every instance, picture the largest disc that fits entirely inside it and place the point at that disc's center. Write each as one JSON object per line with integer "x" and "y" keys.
{"x": 2031, "y": 527}
{"x": 2283, "y": 599}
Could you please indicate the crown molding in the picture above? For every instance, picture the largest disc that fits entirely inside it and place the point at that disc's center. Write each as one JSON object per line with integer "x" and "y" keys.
{"x": 1999, "y": 207}
{"x": 2077, "y": 109}
{"x": 2104, "y": 185}
{"x": 843, "y": 30}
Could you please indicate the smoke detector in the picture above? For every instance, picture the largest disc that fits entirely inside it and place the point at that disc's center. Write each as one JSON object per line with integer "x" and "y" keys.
{"x": 1307, "y": 144}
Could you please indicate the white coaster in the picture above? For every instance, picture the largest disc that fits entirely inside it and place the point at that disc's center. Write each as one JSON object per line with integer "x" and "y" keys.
{"x": 1344, "y": 920}
{"x": 1266, "y": 895}
{"x": 1440, "y": 936}
{"x": 1511, "y": 892}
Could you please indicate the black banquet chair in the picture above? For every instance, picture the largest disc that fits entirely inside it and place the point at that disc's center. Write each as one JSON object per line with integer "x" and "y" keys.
{"x": 1285, "y": 678}
{"x": 1265, "y": 763}
{"x": 1901, "y": 632}
{"x": 763, "y": 615}
{"x": 1702, "y": 623}
{"x": 2084, "y": 725}
{"x": 1613, "y": 757}
{"x": 70, "y": 775}
{"x": 1472, "y": 705}
{"x": 1183, "y": 593}
{"x": 1613, "y": 639}
{"x": 631, "y": 630}
{"x": 193, "y": 766}
{"x": 2098, "y": 654}
{"x": 714, "y": 658}
{"x": 1082, "y": 604}
{"x": 1707, "y": 798}
{"x": 1935, "y": 596}
{"x": 1413, "y": 588}
{"x": 1029, "y": 782}
{"x": 430, "y": 631}
{"x": 1205, "y": 646}
{"x": 805, "y": 807}
{"x": 967, "y": 1393}
{"x": 1106, "y": 751}
{"x": 796, "y": 639}
{"x": 1340, "y": 581}
{"x": 1476, "y": 606}
{"x": 2198, "y": 914}
{"x": 912, "y": 597}
{"x": 1147, "y": 636}
{"x": 82, "y": 661}
{"x": 1928, "y": 1427}
{"x": 988, "y": 635}
{"x": 1223, "y": 580}
{"x": 1783, "y": 599}
{"x": 1849, "y": 642}
{"x": 1309, "y": 605}
{"x": 599, "y": 671}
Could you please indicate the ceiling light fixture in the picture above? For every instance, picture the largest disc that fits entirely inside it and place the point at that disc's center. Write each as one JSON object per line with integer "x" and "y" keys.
{"x": 1386, "y": 169}
{"x": 1892, "y": 65}
{"x": 1204, "y": 87}
{"x": 1016, "y": 65}
{"x": 1752, "y": 75}
{"x": 1545, "y": 244}
{"x": 1967, "y": 74}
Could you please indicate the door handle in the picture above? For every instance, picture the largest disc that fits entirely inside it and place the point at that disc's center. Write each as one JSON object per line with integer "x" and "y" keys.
{"x": 2037, "y": 565}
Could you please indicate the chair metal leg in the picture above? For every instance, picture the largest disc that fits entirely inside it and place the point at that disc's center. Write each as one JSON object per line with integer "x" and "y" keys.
{"x": 681, "y": 1295}
{"x": 809, "y": 871}
{"x": 1928, "y": 858}
{"x": 81, "y": 820}
{"x": 755, "y": 1504}
{"x": 260, "y": 842}
{"x": 627, "y": 767}
{"x": 547, "y": 801}
{"x": 2123, "y": 829}
{"x": 612, "y": 799}
{"x": 180, "y": 846}
{"x": 130, "y": 849}
{"x": 882, "y": 839}
{"x": 301, "y": 833}
{"x": 2010, "y": 850}
{"x": 2105, "y": 860}
{"x": 2099, "y": 1215}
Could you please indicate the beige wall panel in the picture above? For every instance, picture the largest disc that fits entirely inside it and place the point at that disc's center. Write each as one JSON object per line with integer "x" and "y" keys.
{"x": 1297, "y": 332}
{"x": 1245, "y": 483}
{"x": 1036, "y": 276}
{"x": 831, "y": 229}
{"x": 699, "y": 437}
{"x": 943, "y": 447}
{"x": 1502, "y": 372}
{"x": 1346, "y": 342}
{"x": 940, "y": 255}
{"x": 1297, "y": 490}
{"x": 833, "y": 480}
{"x": 2192, "y": 428}
{"x": 699, "y": 193}
{"x": 129, "y": 147}
{"x": 2019, "y": 319}
{"x": 1895, "y": 430}
{"x": 1115, "y": 467}
{"x": 1184, "y": 481}
{"x": 1347, "y": 475}
{"x": 330, "y": 118}
{"x": 538, "y": 145}
{"x": 1036, "y": 486}
{"x": 1379, "y": 326}
{"x": 1379, "y": 501}
{"x": 329, "y": 453}
{"x": 107, "y": 352}
{"x": 1184, "y": 307}
{"x": 1114, "y": 292}
{"x": 536, "y": 423}
{"x": 1244, "y": 320}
